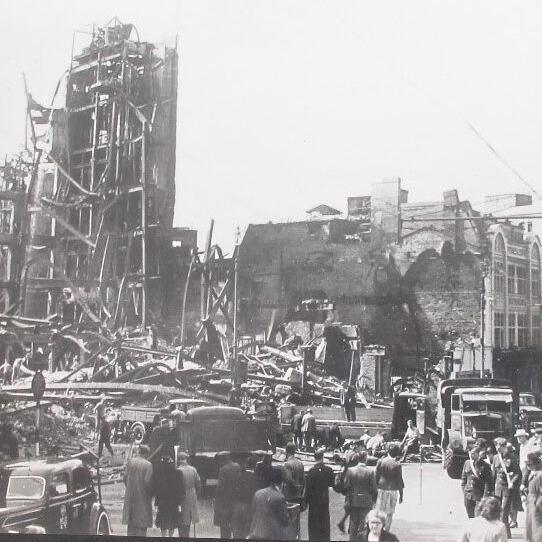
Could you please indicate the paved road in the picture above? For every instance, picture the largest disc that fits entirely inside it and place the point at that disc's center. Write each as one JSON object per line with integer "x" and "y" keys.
{"x": 440, "y": 515}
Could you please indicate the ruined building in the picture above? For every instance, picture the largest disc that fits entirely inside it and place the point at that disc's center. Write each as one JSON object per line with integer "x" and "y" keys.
{"x": 102, "y": 193}
{"x": 423, "y": 280}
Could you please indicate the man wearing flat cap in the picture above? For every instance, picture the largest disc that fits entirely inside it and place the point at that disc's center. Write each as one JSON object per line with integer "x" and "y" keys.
{"x": 226, "y": 493}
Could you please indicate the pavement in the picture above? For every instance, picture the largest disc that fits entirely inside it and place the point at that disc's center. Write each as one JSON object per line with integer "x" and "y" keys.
{"x": 434, "y": 513}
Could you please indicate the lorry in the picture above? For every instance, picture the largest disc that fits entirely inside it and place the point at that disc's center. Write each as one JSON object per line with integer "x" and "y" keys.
{"x": 472, "y": 408}
{"x": 529, "y": 411}
{"x": 136, "y": 421}
{"x": 208, "y": 430}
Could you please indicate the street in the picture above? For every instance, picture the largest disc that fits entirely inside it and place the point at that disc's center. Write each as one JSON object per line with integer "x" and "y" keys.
{"x": 439, "y": 516}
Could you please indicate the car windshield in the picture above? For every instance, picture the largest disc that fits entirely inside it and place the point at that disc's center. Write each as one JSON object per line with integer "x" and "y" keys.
{"x": 527, "y": 400}
{"x": 491, "y": 406}
{"x": 25, "y": 487}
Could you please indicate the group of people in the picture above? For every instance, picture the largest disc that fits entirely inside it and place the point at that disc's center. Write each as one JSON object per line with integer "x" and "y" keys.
{"x": 174, "y": 488}
{"x": 507, "y": 477}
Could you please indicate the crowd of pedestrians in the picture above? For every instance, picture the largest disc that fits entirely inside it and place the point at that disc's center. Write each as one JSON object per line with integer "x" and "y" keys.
{"x": 255, "y": 499}
{"x": 499, "y": 480}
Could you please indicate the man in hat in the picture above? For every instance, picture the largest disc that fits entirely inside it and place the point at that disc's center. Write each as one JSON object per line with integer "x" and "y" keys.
{"x": 137, "y": 510}
{"x": 348, "y": 401}
{"x": 189, "y": 501}
{"x": 319, "y": 479}
{"x": 263, "y": 468}
{"x": 476, "y": 480}
{"x": 293, "y": 475}
{"x": 270, "y": 511}
{"x": 308, "y": 429}
{"x": 226, "y": 493}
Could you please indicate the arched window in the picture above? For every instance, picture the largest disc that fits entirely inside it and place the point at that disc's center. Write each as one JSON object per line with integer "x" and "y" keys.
{"x": 499, "y": 275}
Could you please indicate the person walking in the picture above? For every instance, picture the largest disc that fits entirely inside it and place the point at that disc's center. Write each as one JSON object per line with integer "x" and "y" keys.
{"x": 226, "y": 493}
{"x": 390, "y": 484}
{"x": 508, "y": 489}
{"x": 296, "y": 428}
{"x": 308, "y": 429}
{"x": 105, "y": 437}
{"x": 168, "y": 491}
{"x": 137, "y": 510}
{"x": 351, "y": 460}
{"x": 360, "y": 485}
{"x": 486, "y": 527}
{"x": 270, "y": 511}
{"x": 319, "y": 479}
{"x": 263, "y": 468}
{"x": 189, "y": 501}
{"x": 347, "y": 398}
{"x": 533, "y": 520}
{"x": 476, "y": 481}
{"x": 293, "y": 483}
{"x": 248, "y": 485}
{"x": 374, "y": 530}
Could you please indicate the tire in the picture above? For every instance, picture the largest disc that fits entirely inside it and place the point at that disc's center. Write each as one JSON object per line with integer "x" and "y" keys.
{"x": 103, "y": 528}
{"x": 138, "y": 432}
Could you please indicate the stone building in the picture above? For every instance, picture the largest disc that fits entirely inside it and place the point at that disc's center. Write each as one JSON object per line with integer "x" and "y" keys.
{"x": 418, "y": 278}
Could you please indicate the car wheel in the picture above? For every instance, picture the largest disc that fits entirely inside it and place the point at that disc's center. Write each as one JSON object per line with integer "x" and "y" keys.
{"x": 102, "y": 527}
{"x": 138, "y": 432}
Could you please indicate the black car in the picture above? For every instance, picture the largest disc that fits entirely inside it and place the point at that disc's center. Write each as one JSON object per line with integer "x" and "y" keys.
{"x": 57, "y": 495}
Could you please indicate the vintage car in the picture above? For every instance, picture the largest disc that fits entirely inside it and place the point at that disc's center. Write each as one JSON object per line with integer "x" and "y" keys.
{"x": 55, "y": 494}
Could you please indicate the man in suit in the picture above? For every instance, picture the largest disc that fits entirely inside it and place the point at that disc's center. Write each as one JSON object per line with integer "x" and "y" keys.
{"x": 348, "y": 401}
{"x": 361, "y": 491}
{"x": 293, "y": 481}
{"x": 270, "y": 511}
{"x": 137, "y": 510}
{"x": 226, "y": 493}
{"x": 319, "y": 479}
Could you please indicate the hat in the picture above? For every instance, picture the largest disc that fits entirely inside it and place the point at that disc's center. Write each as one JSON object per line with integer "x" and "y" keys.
{"x": 499, "y": 441}
{"x": 521, "y": 433}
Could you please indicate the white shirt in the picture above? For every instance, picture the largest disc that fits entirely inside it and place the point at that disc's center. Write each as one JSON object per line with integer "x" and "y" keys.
{"x": 480, "y": 529}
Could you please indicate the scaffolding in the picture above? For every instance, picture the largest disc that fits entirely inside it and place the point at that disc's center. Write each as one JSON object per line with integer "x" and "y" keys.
{"x": 102, "y": 194}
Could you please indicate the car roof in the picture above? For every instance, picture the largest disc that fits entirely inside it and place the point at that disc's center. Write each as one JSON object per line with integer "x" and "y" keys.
{"x": 44, "y": 467}
{"x": 186, "y": 401}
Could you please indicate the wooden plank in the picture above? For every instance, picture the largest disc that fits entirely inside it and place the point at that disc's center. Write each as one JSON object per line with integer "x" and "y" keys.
{"x": 98, "y": 386}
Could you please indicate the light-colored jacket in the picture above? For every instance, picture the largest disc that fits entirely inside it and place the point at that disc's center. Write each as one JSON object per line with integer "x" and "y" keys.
{"x": 189, "y": 502}
{"x": 137, "y": 510}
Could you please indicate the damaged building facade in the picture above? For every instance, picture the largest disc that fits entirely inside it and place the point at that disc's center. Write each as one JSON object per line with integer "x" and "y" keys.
{"x": 423, "y": 281}
{"x": 102, "y": 192}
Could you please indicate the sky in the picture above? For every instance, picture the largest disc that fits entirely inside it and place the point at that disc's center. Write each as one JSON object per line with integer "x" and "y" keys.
{"x": 286, "y": 104}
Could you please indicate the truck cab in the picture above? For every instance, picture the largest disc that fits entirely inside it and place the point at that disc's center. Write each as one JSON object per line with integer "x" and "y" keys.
{"x": 469, "y": 409}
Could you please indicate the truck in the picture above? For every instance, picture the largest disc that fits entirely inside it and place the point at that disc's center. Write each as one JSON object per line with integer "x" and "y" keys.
{"x": 208, "y": 430}
{"x": 136, "y": 421}
{"x": 472, "y": 408}
{"x": 529, "y": 411}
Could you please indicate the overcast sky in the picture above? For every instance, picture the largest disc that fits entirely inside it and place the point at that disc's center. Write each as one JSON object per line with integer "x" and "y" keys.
{"x": 285, "y": 104}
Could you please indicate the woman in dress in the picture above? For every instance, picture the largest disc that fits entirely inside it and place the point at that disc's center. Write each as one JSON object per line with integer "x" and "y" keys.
{"x": 167, "y": 490}
{"x": 189, "y": 502}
